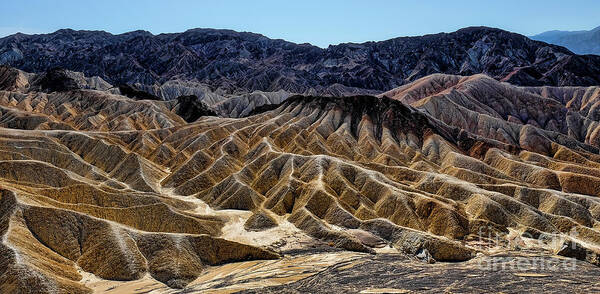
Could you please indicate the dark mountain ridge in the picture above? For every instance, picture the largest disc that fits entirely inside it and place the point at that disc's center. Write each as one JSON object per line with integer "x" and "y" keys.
{"x": 241, "y": 62}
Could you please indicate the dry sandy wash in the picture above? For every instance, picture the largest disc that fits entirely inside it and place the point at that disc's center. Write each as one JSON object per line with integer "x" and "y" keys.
{"x": 99, "y": 191}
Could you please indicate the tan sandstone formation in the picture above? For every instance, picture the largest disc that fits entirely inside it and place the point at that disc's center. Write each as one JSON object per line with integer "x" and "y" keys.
{"x": 93, "y": 182}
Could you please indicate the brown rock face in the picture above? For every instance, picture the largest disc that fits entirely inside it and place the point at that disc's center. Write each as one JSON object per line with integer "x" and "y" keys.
{"x": 260, "y": 221}
{"x": 12, "y": 79}
{"x": 529, "y": 117}
{"x": 98, "y": 183}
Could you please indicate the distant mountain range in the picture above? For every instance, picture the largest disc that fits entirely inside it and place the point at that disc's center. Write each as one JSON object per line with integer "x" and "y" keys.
{"x": 580, "y": 42}
{"x": 229, "y": 62}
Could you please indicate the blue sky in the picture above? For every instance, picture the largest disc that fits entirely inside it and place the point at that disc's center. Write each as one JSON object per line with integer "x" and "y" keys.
{"x": 317, "y": 22}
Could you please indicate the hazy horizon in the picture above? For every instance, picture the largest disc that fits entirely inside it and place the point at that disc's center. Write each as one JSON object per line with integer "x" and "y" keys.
{"x": 316, "y": 22}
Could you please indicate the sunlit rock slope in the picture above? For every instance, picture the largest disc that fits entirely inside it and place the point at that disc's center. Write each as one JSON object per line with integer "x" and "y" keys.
{"x": 97, "y": 183}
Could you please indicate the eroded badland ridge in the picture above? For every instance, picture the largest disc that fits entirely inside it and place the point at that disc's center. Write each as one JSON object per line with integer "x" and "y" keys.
{"x": 444, "y": 176}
